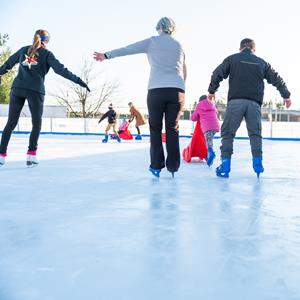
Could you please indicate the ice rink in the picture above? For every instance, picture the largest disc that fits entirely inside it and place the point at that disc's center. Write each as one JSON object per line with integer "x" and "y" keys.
{"x": 91, "y": 223}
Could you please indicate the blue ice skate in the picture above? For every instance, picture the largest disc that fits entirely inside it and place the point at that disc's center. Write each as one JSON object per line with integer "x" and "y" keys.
{"x": 138, "y": 137}
{"x": 210, "y": 156}
{"x": 155, "y": 172}
{"x": 105, "y": 139}
{"x": 257, "y": 165}
{"x": 224, "y": 168}
{"x": 118, "y": 139}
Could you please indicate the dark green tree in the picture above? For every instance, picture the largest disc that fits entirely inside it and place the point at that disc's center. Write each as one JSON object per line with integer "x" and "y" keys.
{"x": 7, "y": 79}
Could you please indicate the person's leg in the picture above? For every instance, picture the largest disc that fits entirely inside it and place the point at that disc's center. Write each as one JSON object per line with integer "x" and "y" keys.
{"x": 116, "y": 133}
{"x": 105, "y": 140}
{"x": 138, "y": 130}
{"x": 233, "y": 117}
{"x": 253, "y": 122}
{"x": 17, "y": 100}
{"x": 209, "y": 136}
{"x": 107, "y": 129}
{"x": 156, "y": 107}
{"x": 175, "y": 103}
{"x": 36, "y": 106}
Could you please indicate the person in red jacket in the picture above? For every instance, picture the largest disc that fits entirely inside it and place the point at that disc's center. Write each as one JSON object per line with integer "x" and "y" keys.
{"x": 34, "y": 63}
{"x": 206, "y": 113}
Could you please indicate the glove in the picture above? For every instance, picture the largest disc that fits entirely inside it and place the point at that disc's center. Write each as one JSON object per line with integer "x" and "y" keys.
{"x": 83, "y": 84}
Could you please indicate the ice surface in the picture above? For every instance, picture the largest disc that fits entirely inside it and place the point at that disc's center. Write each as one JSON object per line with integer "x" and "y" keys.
{"x": 90, "y": 223}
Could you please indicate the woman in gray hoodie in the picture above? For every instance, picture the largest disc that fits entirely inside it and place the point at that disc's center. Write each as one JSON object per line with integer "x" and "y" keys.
{"x": 166, "y": 90}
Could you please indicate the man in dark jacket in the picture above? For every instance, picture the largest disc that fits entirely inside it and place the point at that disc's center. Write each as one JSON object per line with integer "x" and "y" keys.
{"x": 111, "y": 115}
{"x": 246, "y": 73}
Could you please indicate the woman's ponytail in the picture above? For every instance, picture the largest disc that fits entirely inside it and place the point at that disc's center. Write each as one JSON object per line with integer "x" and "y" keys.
{"x": 37, "y": 42}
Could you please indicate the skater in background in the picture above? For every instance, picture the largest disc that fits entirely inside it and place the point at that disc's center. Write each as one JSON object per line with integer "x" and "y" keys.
{"x": 139, "y": 119}
{"x": 206, "y": 112}
{"x": 166, "y": 90}
{"x": 246, "y": 73}
{"x": 111, "y": 116}
{"x": 34, "y": 63}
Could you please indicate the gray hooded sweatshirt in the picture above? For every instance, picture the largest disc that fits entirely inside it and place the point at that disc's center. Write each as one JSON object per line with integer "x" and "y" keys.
{"x": 166, "y": 58}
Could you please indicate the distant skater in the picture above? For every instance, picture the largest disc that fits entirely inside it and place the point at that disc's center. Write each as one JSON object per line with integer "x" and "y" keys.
{"x": 246, "y": 73}
{"x": 206, "y": 112}
{"x": 139, "y": 119}
{"x": 166, "y": 90}
{"x": 111, "y": 116}
{"x": 34, "y": 63}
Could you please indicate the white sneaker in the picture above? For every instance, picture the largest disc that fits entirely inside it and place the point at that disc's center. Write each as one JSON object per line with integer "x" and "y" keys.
{"x": 31, "y": 160}
{"x": 2, "y": 160}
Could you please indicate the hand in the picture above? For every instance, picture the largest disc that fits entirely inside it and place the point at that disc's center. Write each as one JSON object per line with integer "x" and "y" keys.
{"x": 83, "y": 84}
{"x": 211, "y": 97}
{"x": 99, "y": 56}
{"x": 287, "y": 102}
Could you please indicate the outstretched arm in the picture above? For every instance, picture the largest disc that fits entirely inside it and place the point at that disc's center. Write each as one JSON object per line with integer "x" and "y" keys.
{"x": 139, "y": 47}
{"x": 61, "y": 70}
{"x": 10, "y": 63}
{"x": 220, "y": 73}
{"x": 273, "y": 78}
{"x": 103, "y": 117}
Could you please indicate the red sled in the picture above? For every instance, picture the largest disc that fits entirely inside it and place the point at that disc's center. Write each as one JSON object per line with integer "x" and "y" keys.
{"x": 197, "y": 146}
{"x": 124, "y": 132}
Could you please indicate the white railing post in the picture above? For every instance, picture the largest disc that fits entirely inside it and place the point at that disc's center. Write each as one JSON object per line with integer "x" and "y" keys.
{"x": 271, "y": 122}
{"x": 85, "y": 125}
{"x": 51, "y": 125}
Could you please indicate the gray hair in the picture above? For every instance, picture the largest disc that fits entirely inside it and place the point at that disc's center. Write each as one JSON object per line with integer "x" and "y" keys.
{"x": 166, "y": 25}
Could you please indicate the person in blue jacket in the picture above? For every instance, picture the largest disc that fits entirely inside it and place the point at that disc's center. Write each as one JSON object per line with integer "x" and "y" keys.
{"x": 34, "y": 63}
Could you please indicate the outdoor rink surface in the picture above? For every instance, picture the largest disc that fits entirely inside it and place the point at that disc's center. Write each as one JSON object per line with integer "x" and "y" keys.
{"x": 91, "y": 223}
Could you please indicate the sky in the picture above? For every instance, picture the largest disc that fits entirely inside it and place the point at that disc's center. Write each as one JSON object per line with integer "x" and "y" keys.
{"x": 208, "y": 30}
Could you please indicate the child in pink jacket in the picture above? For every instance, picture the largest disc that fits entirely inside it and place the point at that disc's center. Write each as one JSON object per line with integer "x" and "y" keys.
{"x": 207, "y": 113}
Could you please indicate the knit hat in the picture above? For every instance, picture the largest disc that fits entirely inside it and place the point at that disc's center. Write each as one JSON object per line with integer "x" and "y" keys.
{"x": 166, "y": 25}
{"x": 110, "y": 106}
{"x": 203, "y": 97}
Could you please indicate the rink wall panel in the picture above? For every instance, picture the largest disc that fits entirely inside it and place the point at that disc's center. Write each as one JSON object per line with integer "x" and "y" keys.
{"x": 276, "y": 130}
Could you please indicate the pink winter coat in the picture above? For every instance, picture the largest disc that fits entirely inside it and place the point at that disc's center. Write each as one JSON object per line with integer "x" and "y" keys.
{"x": 206, "y": 112}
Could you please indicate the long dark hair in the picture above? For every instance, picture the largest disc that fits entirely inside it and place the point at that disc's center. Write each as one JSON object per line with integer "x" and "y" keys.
{"x": 39, "y": 36}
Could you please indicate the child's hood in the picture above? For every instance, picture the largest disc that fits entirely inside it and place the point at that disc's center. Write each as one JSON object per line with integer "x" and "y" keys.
{"x": 206, "y": 105}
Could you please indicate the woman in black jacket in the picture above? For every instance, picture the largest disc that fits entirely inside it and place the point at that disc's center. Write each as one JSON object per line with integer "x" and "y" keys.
{"x": 34, "y": 63}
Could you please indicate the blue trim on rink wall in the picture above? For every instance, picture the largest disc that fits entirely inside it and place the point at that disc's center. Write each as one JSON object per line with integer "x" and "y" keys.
{"x": 147, "y": 135}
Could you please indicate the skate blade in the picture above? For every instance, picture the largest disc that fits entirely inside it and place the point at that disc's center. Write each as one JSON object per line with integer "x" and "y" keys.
{"x": 30, "y": 164}
{"x": 223, "y": 175}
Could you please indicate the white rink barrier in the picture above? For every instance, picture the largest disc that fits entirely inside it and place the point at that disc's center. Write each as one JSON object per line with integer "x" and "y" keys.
{"x": 285, "y": 130}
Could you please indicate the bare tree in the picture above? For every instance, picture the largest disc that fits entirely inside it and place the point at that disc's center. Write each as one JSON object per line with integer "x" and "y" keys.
{"x": 79, "y": 102}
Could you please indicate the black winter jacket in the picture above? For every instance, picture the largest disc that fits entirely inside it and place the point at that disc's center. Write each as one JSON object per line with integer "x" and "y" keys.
{"x": 111, "y": 115}
{"x": 246, "y": 73}
{"x": 32, "y": 72}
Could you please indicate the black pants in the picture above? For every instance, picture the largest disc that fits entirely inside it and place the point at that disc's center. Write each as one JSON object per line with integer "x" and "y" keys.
{"x": 168, "y": 103}
{"x": 17, "y": 100}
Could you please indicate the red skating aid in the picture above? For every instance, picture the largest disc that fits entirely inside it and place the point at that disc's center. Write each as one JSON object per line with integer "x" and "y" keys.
{"x": 197, "y": 146}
